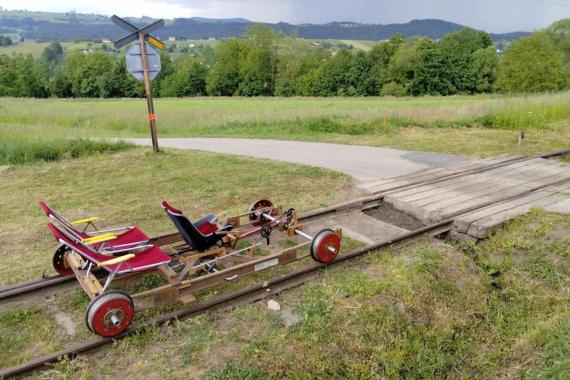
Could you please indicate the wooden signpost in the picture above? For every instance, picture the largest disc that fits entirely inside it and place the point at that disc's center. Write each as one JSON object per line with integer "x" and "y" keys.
{"x": 142, "y": 61}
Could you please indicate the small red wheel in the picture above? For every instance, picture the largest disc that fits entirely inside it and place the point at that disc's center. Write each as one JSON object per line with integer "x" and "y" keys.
{"x": 110, "y": 314}
{"x": 59, "y": 262}
{"x": 262, "y": 204}
{"x": 325, "y": 246}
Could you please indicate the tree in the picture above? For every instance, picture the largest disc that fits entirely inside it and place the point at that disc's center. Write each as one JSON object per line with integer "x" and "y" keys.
{"x": 559, "y": 32}
{"x": 401, "y": 70}
{"x": 188, "y": 79}
{"x": 85, "y": 75}
{"x": 22, "y": 76}
{"x": 167, "y": 68}
{"x": 457, "y": 50}
{"x": 294, "y": 63}
{"x": 429, "y": 67}
{"x": 533, "y": 64}
{"x": 62, "y": 82}
{"x": 224, "y": 78}
{"x": 335, "y": 77}
{"x": 53, "y": 52}
{"x": 121, "y": 83}
{"x": 5, "y": 41}
{"x": 484, "y": 69}
{"x": 381, "y": 54}
{"x": 259, "y": 63}
{"x": 95, "y": 76}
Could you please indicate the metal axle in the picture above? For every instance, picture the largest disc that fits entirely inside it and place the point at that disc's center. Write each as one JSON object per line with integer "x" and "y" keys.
{"x": 298, "y": 232}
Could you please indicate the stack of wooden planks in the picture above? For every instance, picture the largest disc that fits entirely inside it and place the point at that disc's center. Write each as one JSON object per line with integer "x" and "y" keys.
{"x": 480, "y": 196}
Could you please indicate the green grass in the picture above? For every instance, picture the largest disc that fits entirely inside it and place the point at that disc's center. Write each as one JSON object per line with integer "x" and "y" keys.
{"x": 29, "y": 145}
{"x": 36, "y": 48}
{"x": 474, "y": 126}
{"x": 127, "y": 187}
{"x": 20, "y": 332}
{"x": 431, "y": 310}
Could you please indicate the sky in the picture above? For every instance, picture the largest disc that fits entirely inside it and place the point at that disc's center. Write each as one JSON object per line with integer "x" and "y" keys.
{"x": 497, "y": 16}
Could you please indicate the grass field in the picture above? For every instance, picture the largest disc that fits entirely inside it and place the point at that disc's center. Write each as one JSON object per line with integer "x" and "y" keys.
{"x": 432, "y": 310}
{"x": 36, "y": 48}
{"x": 474, "y": 126}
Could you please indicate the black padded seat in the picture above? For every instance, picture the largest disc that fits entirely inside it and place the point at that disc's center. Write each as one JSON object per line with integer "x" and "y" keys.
{"x": 201, "y": 235}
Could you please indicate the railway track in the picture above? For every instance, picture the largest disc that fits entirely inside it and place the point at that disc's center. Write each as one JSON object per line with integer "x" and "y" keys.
{"x": 234, "y": 299}
{"x": 363, "y": 204}
{"x": 249, "y": 294}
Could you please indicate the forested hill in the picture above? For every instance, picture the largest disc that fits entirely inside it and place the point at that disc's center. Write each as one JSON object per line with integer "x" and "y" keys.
{"x": 44, "y": 26}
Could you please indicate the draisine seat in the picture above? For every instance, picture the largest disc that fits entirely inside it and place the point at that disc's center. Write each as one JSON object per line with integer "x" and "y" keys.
{"x": 201, "y": 235}
{"x": 120, "y": 237}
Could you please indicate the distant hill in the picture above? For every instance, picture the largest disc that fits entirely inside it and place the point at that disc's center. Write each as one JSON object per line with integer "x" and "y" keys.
{"x": 46, "y": 26}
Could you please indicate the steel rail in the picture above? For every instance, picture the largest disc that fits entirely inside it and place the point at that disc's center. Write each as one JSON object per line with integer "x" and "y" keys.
{"x": 247, "y": 295}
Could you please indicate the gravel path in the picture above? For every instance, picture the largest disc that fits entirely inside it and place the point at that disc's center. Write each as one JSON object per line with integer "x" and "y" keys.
{"x": 363, "y": 163}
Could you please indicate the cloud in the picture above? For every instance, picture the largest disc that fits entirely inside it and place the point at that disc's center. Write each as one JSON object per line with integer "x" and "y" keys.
{"x": 489, "y": 15}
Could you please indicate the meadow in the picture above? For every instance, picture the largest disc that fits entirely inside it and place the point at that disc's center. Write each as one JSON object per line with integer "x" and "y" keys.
{"x": 477, "y": 126}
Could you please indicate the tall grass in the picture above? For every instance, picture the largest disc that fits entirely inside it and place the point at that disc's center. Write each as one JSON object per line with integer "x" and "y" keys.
{"x": 202, "y": 116}
{"x": 531, "y": 116}
{"x": 24, "y": 147}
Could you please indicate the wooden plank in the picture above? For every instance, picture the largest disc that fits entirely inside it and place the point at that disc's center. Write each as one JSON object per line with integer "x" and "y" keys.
{"x": 463, "y": 222}
{"x": 485, "y": 226}
{"x": 492, "y": 186}
{"x": 415, "y": 207}
{"x": 411, "y": 176}
{"x": 399, "y": 183}
{"x": 466, "y": 179}
{"x": 483, "y": 182}
{"x": 485, "y": 201}
{"x": 420, "y": 178}
{"x": 433, "y": 170}
{"x": 493, "y": 193}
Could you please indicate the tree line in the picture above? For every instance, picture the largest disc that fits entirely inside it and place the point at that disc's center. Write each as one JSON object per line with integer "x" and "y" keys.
{"x": 265, "y": 62}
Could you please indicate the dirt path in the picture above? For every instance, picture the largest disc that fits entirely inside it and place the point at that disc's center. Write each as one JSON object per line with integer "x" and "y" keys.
{"x": 363, "y": 163}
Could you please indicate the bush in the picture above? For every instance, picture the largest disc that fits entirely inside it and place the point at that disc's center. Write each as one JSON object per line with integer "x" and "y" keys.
{"x": 393, "y": 89}
{"x": 533, "y": 64}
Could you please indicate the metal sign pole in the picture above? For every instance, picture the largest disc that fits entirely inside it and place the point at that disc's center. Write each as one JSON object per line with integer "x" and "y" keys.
{"x": 148, "y": 91}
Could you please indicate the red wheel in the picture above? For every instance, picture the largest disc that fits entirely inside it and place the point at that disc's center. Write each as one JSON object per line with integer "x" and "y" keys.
{"x": 325, "y": 246}
{"x": 262, "y": 204}
{"x": 110, "y": 314}
{"x": 59, "y": 263}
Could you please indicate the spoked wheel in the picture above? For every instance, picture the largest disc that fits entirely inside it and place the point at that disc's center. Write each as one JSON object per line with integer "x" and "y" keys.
{"x": 262, "y": 204}
{"x": 110, "y": 314}
{"x": 325, "y": 246}
{"x": 59, "y": 262}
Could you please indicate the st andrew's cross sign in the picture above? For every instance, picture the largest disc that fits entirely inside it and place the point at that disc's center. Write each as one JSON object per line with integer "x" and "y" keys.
{"x": 143, "y": 62}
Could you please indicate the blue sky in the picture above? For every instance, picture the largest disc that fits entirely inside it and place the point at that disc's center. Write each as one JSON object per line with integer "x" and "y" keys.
{"x": 490, "y": 15}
